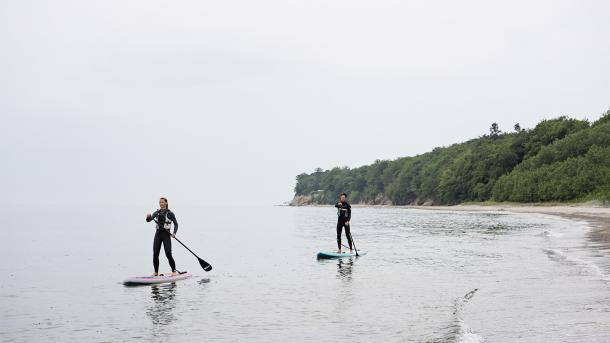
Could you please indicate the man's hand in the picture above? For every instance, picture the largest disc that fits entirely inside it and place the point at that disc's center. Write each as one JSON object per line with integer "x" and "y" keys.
{"x": 148, "y": 217}
{"x": 339, "y": 203}
{"x": 347, "y": 223}
{"x": 174, "y": 235}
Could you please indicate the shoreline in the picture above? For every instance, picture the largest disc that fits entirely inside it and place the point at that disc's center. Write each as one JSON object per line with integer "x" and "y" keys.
{"x": 597, "y": 217}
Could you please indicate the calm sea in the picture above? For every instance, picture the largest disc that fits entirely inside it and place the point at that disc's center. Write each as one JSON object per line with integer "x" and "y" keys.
{"x": 429, "y": 276}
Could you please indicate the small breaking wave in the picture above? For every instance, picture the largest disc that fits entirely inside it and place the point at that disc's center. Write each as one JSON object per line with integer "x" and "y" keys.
{"x": 549, "y": 233}
{"x": 459, "y": 331}
{"x": 465, "y": 333}
{"x": 467, "y": 336}
{"x": 589, "y": 267}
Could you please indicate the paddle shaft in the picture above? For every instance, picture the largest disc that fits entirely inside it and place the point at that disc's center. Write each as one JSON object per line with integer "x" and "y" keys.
{"x": 353, "y": 243}
{"x": 206, "y": 266}
{"x": 345, "y": 246}
{"x": 187, "y": 248}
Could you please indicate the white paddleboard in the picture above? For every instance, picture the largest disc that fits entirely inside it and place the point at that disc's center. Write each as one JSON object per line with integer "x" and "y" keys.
{"x": 153, "y": 280}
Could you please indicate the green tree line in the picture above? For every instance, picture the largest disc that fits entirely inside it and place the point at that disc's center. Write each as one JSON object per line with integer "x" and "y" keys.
{"x": 562, "y": 159}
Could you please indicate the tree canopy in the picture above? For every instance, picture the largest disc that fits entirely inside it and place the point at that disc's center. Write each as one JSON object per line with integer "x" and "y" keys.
{"x": 561, "y": 159}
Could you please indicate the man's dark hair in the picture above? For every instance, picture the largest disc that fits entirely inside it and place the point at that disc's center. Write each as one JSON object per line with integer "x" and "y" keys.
{"x": 343, "y": 194}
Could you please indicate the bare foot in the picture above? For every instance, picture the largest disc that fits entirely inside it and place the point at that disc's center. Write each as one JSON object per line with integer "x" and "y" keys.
{"x": 174, "y": 273}
{"x": 339, "y": 252}
{"x": 155, "y": 274}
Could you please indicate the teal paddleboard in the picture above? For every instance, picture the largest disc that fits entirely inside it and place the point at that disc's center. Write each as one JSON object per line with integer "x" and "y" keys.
{"x": 332, "y": 254}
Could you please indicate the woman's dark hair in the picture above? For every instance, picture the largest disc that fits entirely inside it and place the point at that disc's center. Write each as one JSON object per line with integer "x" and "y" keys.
{"x": 343, "y": 194}
{"x": 166, "y": 203}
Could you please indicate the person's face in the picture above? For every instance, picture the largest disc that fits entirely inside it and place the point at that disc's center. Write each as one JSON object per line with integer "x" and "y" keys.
{"x": 343, "y": 198}
{"x": 162, "y": 203}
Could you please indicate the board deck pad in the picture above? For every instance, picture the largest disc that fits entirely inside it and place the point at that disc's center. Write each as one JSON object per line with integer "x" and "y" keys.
{"x": 333, "y": 254}
{"x": 154, "y": 280}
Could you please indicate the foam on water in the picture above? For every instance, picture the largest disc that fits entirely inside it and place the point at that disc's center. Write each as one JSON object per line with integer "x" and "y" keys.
{"x": 587, "y": 267}
{"x": 550, "y": 233}
{"x": 465, "y": 333}
{"x": 467, "y": 336}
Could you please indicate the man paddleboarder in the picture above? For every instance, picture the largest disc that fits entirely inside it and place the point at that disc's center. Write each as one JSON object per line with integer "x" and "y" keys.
{"x": 344, "y": 214}
{"x": 164, "y": 219}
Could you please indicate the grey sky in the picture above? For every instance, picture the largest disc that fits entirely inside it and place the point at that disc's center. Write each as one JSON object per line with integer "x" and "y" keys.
{"x": 203, "y": 101}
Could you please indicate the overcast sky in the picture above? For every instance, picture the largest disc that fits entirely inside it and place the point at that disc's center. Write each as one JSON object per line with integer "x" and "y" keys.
{"x": 227, "y": 101}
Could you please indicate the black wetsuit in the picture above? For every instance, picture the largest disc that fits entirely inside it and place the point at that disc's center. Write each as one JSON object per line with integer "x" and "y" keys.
{"x": 344, "y": 214}
{"x": 163, "y": 236}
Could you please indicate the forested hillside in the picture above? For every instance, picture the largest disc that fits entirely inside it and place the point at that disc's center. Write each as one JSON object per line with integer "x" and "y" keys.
{"x": 561, "y": 159}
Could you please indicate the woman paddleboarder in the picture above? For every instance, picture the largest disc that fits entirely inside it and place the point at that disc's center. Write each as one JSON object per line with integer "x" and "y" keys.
{"x": 344, "y": 213}
{"x": 164, "y": 219}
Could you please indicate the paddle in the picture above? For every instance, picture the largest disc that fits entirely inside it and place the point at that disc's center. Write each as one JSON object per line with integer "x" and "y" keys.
{"x": 353, "y": 243}
{"x": 345, "y": 246}
{"x": 206, "y": 266}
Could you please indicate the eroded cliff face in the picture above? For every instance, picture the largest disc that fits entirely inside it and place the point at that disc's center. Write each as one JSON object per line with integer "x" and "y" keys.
{"x": 315, "y": 198}
{"x": 301, "y": 200}
{"x": 380, "y": 199}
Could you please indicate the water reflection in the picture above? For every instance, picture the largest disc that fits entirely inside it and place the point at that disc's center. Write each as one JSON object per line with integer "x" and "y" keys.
{"x": 163, "y": 304}
{"x": 345, "y": 269}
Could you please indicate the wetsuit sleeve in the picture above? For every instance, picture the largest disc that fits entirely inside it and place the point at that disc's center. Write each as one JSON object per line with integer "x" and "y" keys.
{"x": 349, "y": 212}
{"x": 153, "y": 216}
{"x": 172, "y": 217}
{"x": 337, "y": 205}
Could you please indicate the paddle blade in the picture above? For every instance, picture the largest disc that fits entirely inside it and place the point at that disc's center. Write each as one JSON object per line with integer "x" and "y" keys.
{"x": 206, "y": 266}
